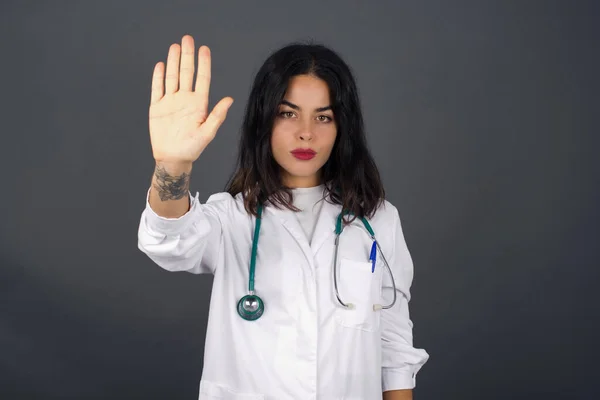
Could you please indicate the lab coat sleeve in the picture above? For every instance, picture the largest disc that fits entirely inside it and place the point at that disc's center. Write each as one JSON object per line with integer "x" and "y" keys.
{"x": 400, "y": 360}
{"x": 192, "y": 242}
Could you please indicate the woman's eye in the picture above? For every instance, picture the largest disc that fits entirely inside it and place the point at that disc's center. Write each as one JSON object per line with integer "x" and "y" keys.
{"x": 290, "y": 114}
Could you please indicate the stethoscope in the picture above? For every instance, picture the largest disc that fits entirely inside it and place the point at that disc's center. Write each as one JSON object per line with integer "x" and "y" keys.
{"x": 251, "y": 307}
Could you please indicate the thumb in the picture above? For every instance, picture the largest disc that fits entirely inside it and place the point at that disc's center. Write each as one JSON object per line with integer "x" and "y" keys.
{"x": 216, "y": 117}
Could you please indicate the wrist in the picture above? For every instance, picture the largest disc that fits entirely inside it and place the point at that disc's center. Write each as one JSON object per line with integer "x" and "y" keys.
{"x": 174, "y": 168}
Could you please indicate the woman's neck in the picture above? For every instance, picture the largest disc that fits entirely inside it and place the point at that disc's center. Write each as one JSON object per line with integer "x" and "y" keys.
{"x": 296, "y": 182}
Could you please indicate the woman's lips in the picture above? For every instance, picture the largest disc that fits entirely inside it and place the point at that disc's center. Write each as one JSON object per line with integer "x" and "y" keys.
{"x": 303, "y": 154}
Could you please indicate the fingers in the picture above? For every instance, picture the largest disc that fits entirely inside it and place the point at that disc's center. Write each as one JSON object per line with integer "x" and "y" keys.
{"x": 172, "y": 77}
{"x": 186, "y": 71}
{"x": 158, "y": 76}
{"x": 216, "y": 117}
{"x": 203, "y": 77}
{"x": 180, "y": 72}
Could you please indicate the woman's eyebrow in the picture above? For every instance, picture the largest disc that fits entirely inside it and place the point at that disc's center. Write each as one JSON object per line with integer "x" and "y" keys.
{"x": 295, "y": 107}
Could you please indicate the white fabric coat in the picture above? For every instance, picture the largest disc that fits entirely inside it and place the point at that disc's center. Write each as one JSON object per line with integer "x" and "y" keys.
{"x": 305, "y": 346}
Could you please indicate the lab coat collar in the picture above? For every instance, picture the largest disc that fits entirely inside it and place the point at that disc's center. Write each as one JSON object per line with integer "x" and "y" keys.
{"x": 324, "y": 227}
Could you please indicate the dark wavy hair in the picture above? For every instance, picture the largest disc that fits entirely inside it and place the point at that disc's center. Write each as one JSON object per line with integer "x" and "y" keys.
{"x": 350, "y": 175}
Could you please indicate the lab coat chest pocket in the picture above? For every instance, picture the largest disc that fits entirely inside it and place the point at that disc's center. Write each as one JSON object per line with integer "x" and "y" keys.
{"x": 361, "y": 287}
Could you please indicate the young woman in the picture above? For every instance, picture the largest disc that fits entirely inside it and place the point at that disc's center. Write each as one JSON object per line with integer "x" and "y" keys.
{"x": 311, "y": 271}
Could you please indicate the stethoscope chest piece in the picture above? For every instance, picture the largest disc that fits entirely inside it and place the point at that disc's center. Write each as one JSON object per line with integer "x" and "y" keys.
{"x": 250, "y": 307}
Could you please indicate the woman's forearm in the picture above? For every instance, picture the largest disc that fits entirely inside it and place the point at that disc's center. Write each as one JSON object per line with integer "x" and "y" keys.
{"x": 405, "y": 394}
{"x": 169, "y": 194}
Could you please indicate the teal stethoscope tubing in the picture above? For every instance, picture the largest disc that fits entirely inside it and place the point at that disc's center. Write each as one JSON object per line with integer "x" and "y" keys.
{"x": 251, "y": 307}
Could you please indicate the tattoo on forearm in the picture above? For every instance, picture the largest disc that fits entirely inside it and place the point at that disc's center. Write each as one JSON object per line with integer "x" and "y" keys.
{"x": 171, "y": 187}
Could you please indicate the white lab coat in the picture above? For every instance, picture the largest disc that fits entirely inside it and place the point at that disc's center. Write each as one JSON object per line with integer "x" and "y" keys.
{"x": 305, "y": 346}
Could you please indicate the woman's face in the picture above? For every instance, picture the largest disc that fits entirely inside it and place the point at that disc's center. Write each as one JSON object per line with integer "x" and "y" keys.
{"x": 304, "y": 131}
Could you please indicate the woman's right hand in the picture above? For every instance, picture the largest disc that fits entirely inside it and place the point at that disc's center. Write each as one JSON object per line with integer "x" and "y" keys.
{"x": 179, "y": 122}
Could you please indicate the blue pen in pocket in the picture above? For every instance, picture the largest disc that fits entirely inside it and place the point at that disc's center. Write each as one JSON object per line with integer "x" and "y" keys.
{"x": 373, "y": 256}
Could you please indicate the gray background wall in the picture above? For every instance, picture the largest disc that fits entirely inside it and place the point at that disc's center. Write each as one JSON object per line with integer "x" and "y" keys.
{"x": 483, "y": 120}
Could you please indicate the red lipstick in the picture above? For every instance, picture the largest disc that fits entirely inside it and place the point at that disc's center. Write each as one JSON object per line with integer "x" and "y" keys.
{"x": 303, "y": 154}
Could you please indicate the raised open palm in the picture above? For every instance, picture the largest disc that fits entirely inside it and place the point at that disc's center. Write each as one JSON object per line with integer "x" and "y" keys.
{"x": 179, "y": 122}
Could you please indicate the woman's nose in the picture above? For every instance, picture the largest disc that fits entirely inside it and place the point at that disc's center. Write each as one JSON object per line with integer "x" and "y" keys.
{"x": 306, "y": 135}
{"x": 306, "y": 132}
